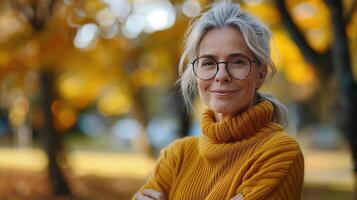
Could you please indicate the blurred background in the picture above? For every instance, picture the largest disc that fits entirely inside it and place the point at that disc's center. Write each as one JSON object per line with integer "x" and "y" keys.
{"x": 88, "y": 96}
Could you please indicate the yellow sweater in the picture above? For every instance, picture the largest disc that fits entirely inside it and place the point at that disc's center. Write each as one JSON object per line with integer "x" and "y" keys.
{"x": 247, "y": 154}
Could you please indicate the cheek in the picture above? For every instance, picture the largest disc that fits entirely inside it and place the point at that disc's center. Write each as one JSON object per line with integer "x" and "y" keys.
{"x": 202, "y": 89}
{"x": 249, "y": 90}
{"x": 258, "y": 79}
{"x": 249, "y": 93}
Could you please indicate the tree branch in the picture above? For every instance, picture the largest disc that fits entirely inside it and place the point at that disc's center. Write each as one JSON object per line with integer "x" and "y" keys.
{"x": 42, "y": 10}
{"x": 51, "y": 6}
{"x": 350, "y": 12}
{"x": 342, "y": 61}
{"x": 24, "y": 9}
{"x": 308, "y": 52}
{"x": 36, "y": 12}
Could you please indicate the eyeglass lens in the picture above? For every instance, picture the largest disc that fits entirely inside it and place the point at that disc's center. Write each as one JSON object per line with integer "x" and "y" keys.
{"x": 206, "y": 68}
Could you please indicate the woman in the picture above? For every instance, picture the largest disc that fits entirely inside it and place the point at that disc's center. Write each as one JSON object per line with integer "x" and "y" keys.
{"x": 243, "y": 152}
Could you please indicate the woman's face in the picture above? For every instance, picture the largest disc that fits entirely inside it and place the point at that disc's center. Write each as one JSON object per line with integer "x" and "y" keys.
{"x": 223, "y": 94}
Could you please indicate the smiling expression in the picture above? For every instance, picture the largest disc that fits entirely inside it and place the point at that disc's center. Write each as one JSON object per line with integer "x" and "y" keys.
{"x": 223, "y": 94}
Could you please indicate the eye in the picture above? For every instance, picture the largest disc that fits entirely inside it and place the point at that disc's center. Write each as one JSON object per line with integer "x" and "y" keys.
{"x": 237, "y": 62}
{"x": 208, "y": 63}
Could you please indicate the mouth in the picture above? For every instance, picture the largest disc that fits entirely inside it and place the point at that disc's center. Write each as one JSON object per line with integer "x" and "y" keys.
{"x": 223, "y": 93}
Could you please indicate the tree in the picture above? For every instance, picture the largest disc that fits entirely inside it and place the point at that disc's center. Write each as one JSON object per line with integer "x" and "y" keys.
{"x": 37, "y": 13}
{"x": 333, "y": 63}
{"x": 117, "y": 60}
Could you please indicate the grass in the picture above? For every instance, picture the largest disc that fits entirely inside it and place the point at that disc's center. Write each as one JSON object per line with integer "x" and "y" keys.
{"x": 26, "y": 185}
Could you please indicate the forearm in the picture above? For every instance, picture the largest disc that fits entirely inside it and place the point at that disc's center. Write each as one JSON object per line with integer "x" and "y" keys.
{"x": 282, "y": 183}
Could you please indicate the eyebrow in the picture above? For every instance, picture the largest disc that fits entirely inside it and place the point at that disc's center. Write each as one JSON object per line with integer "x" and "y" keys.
{"x": 229, "y": 56}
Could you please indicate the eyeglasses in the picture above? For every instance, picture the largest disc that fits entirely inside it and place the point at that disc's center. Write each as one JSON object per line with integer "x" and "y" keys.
{"x": 238, "y": 67}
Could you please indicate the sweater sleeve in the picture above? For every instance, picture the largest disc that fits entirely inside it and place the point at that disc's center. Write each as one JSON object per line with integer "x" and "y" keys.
{"x": 275, "y": 172}
{"x": 166, "y": 168}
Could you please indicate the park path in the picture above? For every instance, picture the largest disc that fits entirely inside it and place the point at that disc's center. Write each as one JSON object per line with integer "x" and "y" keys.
{"x": 323, "y": 168}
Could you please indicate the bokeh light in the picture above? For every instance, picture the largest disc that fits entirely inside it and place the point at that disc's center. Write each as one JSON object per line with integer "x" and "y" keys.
{"x": 86, "y": 35}
{"x": 18, "y": 111}
{"x": 191, "y": 8}
{"x": 114, "y": 102}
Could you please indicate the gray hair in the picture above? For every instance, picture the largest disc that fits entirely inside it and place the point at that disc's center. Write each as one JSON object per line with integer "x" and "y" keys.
{"x": 256, "y": 35}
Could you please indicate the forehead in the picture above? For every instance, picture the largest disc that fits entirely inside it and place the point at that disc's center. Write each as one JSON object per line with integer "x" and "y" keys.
{"x": 221, "y": 42}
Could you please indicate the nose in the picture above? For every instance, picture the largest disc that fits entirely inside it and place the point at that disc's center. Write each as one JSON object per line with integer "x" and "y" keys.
{"x": 222, "y": 74}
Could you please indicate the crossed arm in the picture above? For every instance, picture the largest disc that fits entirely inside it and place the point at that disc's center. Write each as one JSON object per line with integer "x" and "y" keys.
{"x": 276, "y": 172}
{"x": 149, "y": 194}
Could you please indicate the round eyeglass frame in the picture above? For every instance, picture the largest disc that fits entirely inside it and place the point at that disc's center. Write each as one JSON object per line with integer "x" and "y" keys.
{"x": 226, "y": 63}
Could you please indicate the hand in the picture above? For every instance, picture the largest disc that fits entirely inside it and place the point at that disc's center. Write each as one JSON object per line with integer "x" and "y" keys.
{"x": 237, "y": 197}
{"x": 149, "y": 194}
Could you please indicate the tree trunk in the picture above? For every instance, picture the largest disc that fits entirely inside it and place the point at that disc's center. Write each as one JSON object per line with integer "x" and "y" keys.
{"x": 51, "y": 139}
{"x": 179, "y": 108}
{"x": 340, "y": 62}
{"x": 139, "y": 112}
{"x": 347, "y": 87}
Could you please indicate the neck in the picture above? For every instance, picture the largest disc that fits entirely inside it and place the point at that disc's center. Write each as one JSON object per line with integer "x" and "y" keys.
{"x": 224, "y": 116}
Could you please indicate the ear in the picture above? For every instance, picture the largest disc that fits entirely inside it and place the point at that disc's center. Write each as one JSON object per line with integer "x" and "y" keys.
{"x": 261, "y": 74}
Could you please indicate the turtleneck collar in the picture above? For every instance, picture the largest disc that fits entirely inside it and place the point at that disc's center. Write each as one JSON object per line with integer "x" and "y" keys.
{"x": 242, "y": 126}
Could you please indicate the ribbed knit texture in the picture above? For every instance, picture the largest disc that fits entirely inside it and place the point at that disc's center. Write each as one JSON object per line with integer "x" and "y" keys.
{"x": 246, "y": 154}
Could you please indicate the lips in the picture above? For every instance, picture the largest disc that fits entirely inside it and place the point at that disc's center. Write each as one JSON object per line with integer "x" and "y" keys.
{"x": 223, "y": 93}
